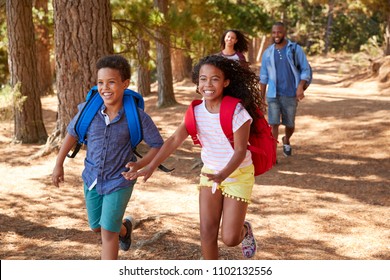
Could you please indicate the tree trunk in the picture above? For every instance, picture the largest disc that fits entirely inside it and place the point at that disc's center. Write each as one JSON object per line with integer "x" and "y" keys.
{"x": 166, "y": 95}
{"x": 29, "y": 126}
{"x": 143, "y": 77}
{"x": 43, "y": 45}
{"x": 181, "y": 65}
{"x": 83, "y": 34}
{"x": 329, "y": 26}
{"x": 387, "y": 37}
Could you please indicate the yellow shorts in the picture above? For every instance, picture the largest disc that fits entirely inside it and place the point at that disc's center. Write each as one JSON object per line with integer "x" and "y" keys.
{"x": 238, "y": 185}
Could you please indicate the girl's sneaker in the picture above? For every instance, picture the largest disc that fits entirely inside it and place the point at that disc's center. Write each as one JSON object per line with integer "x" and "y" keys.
{"x": 125, "y": 241}
{"x": 249, "y": 246}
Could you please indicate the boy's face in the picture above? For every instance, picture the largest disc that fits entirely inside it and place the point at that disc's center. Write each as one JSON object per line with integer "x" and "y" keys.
{"x": 111, "y": 86}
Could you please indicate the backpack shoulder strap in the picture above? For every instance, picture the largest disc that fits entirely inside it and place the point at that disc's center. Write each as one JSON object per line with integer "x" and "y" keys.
{"x": 226, "y": 112}
{"x": 94, "y": 102}
{"x": 190, "y": 122}
{"x": 131, "y": 102}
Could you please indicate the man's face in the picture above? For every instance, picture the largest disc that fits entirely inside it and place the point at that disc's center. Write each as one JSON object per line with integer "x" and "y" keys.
{"x": 278, "y": 34}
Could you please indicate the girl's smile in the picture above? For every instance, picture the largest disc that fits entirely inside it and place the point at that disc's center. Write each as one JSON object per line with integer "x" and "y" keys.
{"x": 211, "y": 82}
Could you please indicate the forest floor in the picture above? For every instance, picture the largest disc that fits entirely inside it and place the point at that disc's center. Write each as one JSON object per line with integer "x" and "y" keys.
{"x": 329, "y": 201}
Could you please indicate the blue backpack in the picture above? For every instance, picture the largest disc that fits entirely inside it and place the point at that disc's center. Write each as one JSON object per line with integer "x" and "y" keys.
{"x": 131, "y": 102}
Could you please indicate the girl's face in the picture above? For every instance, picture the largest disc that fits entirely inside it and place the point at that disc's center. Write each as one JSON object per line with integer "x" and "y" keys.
{"x": 211, "y": 82}
{"x": 111, "y": 86}
{"x": 230, "y": 39}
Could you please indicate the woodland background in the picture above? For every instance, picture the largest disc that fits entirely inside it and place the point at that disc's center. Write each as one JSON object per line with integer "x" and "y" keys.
{"x": 330, "y": 201}
{"x": 52, "y": 46}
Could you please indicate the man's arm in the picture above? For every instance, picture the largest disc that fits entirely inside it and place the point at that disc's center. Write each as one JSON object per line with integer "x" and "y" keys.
{"x": 263, "y": 88}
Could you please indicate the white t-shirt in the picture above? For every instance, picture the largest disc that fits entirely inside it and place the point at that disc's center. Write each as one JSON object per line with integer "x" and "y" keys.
{"x": 216, "y": 149}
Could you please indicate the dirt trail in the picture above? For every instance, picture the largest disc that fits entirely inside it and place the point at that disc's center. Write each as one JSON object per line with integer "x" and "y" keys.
{"x": 330, "y": 200}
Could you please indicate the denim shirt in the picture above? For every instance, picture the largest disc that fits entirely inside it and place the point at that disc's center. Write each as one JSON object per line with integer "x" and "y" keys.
{"x": 109, "y": 148}
{"x": 268, "y": 69}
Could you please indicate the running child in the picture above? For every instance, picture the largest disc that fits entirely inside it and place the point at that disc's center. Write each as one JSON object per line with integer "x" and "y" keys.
{"x": 229, "y": 170}
{"x": 106, "y": 191}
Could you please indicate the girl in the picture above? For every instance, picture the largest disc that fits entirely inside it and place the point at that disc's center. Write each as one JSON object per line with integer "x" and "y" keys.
{"x": 230, "y": 170}
{"x": 233, "y": 45}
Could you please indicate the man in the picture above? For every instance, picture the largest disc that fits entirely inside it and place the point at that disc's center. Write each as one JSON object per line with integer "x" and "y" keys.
{"x": 285, "y": 82}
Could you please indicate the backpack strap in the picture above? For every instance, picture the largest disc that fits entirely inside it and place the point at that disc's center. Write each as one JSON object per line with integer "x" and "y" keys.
{"x": 190, "y": 122}
{"x": 131, "y": 102}
{"x": 226, "y": 112}
{"x": 94, "y": 102}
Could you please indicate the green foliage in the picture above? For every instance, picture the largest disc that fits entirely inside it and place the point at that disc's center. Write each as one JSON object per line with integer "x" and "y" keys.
{"x": 351, "y": 30}
{"x": 6, "y": 105}
{"x": 248, "y": 17}
{"x": 131, "y": 20}
{"x": 195, "y": 26}
{"x": 372, "y": 48}
{"x": 353, "y": 22}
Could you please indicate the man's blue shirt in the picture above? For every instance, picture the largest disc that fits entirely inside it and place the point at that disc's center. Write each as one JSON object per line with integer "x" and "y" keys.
{"x": 268, "y": 69}
{"x": 284, "y": 75}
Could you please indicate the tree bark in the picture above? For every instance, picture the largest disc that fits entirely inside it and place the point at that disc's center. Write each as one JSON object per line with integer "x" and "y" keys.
{"x": 166, "y": 95}
{"x": 43, "y": 45}
{"x": 143, "y": 77}
{"x": 181, "y": 65}
{"x": 387, "y": 37}
{"x": 28, "y": 121}
{"x": 329, "y": 26}
{"x": 83, "y": 33}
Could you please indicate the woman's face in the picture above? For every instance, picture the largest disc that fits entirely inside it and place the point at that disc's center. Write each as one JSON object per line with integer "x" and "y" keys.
{"x": 230, "y": 39}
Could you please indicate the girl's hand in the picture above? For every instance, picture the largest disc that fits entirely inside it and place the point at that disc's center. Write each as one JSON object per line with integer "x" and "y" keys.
{"x": 146, "y": 172}
{"x": 132, "y": 173}
{"x": 217, "y": 178}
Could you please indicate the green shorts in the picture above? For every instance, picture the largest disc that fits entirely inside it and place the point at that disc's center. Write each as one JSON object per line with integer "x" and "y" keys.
{"x": 106, "y": 211}
{"x": 238, "y": 185}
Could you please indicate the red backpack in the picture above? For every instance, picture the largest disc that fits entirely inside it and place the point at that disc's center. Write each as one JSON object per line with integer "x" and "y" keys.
{"x": 261, "y": 143}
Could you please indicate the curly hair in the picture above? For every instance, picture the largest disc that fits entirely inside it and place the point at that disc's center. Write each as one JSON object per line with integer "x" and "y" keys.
{"x": 242, "y": 41}
{"x": 244, "y": 84}
{"x": 115, "y": 61}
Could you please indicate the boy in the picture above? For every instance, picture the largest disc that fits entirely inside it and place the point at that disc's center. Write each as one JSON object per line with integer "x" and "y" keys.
{"x": 106, "y": 190}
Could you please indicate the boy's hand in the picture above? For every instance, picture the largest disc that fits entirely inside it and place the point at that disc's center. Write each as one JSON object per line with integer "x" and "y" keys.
{"x": 57, "y": 176}
{"x": 132, "y": 173}
{"x": 145, "y": 172}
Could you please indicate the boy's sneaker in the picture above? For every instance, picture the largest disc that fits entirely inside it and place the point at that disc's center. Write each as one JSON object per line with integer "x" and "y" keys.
{"x": 287, "y": 150}
{"x": 249, "y": 246}
{"x": 125, "y": 241}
